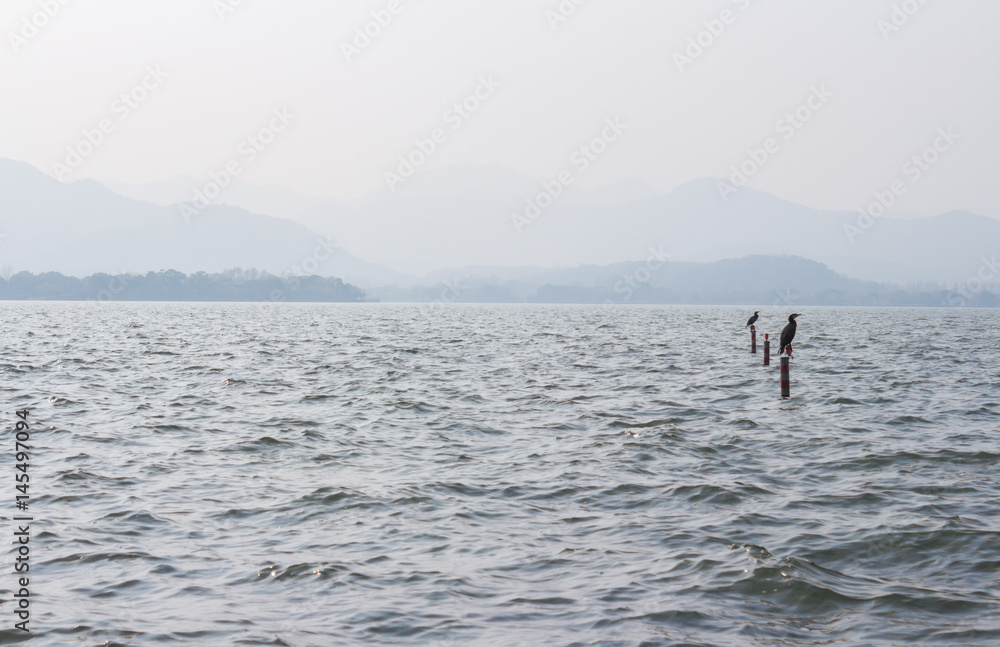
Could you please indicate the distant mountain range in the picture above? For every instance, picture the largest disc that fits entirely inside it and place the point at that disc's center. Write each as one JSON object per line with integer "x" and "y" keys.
{"x": 781, "y": 282}
{"x": 462, "y": 217}
{"x": 85, "y": 228}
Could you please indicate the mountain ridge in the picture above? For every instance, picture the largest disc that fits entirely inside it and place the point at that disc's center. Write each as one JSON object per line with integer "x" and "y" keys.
{"x": 447, "y": 222}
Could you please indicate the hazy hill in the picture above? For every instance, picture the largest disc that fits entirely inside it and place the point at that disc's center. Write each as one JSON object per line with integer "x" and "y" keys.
{"x": 171, "y": 285}
{"x": 461, "y": 215}
{"x": 782, "y": 282}
{"x": 84, "y": 228}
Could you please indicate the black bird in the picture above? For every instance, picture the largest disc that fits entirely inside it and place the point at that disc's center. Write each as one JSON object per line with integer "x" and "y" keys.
{"x": 753, "y": 319}
{"x": 788, "y": 334}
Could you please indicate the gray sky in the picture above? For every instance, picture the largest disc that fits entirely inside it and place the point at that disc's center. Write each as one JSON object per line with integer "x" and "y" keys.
{"x": 228, "y": 71}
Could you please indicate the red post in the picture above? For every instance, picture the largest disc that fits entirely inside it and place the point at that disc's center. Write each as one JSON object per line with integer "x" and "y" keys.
{"x": 767, "y": 350}
{"x": 786, "y": 384}
{"x": 753, "y": 340}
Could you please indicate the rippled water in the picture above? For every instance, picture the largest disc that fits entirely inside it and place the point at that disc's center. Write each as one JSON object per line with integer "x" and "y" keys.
{"x": 323, "y": 475}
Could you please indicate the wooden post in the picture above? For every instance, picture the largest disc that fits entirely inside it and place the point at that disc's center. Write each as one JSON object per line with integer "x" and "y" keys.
{"x": 786, "y": 385}
{"x": 753, "y": 340}
{"x": 767, "y": 350}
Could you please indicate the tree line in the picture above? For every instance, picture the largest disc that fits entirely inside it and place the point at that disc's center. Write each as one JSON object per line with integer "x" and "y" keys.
{"x": 170, "y": 285}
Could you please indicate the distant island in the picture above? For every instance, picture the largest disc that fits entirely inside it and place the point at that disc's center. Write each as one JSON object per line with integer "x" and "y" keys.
{"x": 778, "y": 281}
{"x": 232, "y": 285}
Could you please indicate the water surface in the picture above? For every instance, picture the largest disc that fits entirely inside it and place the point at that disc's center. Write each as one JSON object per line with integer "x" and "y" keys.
{"x": 317, "y": 475}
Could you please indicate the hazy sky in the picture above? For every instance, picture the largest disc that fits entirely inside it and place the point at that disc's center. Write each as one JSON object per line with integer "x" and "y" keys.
{"x": 887, "y": 92}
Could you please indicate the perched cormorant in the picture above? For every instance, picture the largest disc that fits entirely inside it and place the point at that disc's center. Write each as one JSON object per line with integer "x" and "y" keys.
{"x": 753, "y": 319}
{"x": 787, "y": 335}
